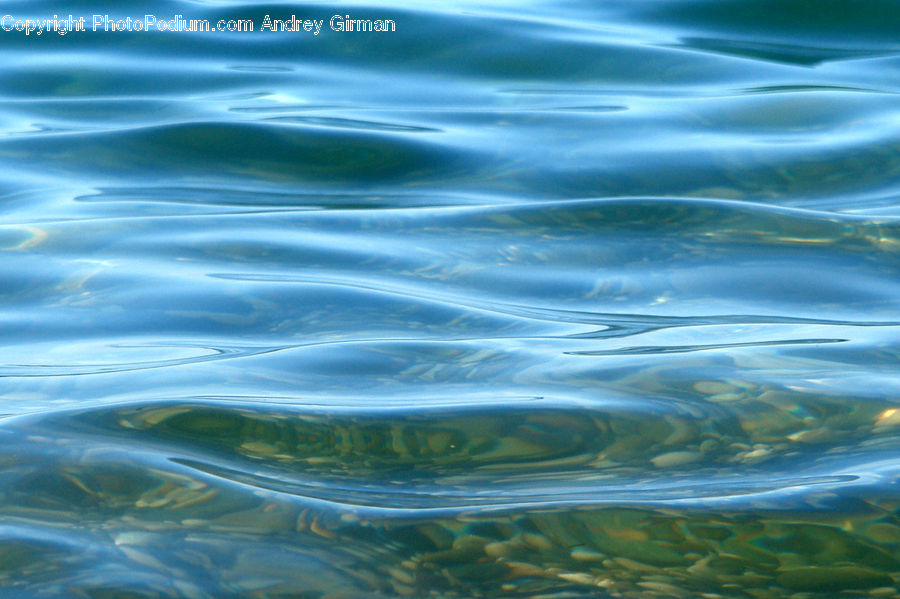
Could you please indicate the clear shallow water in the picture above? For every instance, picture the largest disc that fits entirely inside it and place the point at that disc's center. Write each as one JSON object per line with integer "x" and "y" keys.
{"x": 542, "y": 300}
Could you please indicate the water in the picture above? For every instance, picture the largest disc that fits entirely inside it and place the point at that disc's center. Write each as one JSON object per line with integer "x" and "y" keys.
{"x": 551, "y": 300}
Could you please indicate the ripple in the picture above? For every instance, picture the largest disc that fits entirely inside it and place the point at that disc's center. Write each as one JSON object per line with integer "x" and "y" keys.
{"x": 795, "y": 54}
{"x": 108, "y": 357}
{"x": 692, "y": 348}
{"x": 342, "y": 123}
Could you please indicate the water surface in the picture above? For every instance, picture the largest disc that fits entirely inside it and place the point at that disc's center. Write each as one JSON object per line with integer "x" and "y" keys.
{"x": 531, "y": 299}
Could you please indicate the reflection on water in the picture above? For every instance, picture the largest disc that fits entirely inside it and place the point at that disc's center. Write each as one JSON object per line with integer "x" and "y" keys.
{"x": 517, "y": 301}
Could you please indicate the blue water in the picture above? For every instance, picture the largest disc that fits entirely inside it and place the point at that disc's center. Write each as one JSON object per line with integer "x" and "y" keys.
{"x": 521, "y": 299}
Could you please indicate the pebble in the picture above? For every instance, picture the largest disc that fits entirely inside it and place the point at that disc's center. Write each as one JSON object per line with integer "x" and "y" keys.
{"x": 497, "y": 549}
{"x": 301, "y": 521}
{"x": 605, "y": 583}
{"x": 724, "y": 397}
{"x": 630, "y": 564}
{"x": 661, "y": 587}
{"x": 817, "y": 435}
{"x": 537, "y": 541}
{"x": 142, "y": 558}
{"x": 681, "y": 431}
{"x": 401, "y": 576}
{"x": 577, "y": 577}
{"x": 259, "y": 447}
{"x": 889, "y": 417}
{"x": 582, "y": 554}
{"x": 322, "y": 532}
{"x": 675, "y": 458}
{"x": 755, "y": 455}
{"x": 524, "y": 570}
{"x": 194, "y": 522}
{"x": 403, "y": 590}
{"x": 709, "y": 445}
{"x": 713, "y": 387}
